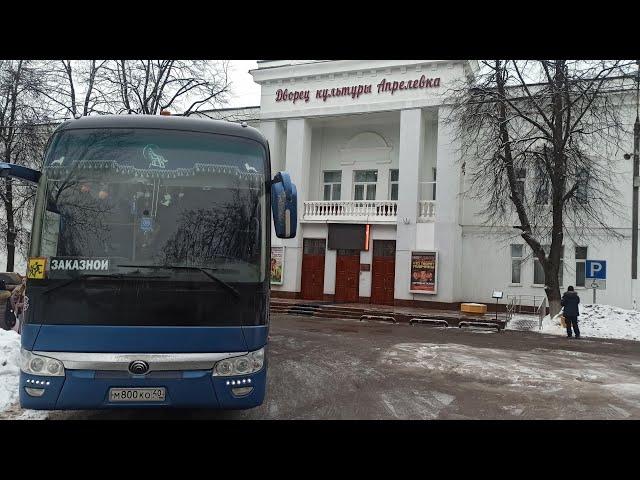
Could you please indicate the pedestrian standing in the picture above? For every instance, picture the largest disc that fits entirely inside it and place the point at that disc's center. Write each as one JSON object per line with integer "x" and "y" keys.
{"x": 570, "y": 301}
{"x": 18, "y": 303}
{"x": 7, "y": 318}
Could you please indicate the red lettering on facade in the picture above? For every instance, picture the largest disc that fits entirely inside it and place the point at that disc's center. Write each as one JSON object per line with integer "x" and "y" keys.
{"x": 354, "y": 91}
{"x": 286, "y": 95}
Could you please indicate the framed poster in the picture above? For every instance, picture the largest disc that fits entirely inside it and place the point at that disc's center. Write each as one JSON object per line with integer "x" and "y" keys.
{"x": 277, "y": 265}
{"x": 424, "y": 272}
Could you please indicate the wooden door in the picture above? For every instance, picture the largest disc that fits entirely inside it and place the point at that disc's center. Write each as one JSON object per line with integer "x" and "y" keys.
{"x": 347, "y": 276}
{"x": 312, "y": 283}
{"x": 383, "y": 272}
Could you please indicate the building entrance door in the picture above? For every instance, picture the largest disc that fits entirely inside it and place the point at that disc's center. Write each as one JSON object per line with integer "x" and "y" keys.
{"x": 312, "y": 283}
{"x": 383, "y": 272}
{"x": 347, "y": 276}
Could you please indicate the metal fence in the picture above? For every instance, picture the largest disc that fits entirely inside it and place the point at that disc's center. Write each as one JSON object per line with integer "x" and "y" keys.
{"x": 534, "y": 305}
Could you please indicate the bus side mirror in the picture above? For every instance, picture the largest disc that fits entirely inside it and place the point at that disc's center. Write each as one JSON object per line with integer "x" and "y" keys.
{"x": 18, "y": 171}
{"x": 284, "y": 204}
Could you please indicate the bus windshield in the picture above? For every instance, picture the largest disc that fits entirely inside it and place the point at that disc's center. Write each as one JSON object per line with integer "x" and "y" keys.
{"x": 120, "y": 199}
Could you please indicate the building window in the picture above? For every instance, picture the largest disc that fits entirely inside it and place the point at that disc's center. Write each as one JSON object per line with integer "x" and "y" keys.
{"x": 538, "y": 271}
{"x": 582, "y": 190}
{"x": 542, "y": 185}
{"x": 435, "y": 171}
{"x": 332, "y": 185}
{"x": 393, "y": 184}
{"x": 364, "y": 185}
{"x": 516, "y": 262}
{"x": 581, "y": 258}
{"x": 521, "y": 177}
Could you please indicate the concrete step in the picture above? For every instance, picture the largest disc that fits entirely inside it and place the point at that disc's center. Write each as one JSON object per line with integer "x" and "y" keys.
{"x": 325, "y": 308}
{"x": 328, "y": 310}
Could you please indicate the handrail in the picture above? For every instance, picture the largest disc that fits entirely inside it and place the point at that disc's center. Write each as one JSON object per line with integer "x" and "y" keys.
{"x": 532, "y": 304}
{"x": 427, "y": 212}
{"x": 542, "y": 312}
{"x": 511, "y": 306}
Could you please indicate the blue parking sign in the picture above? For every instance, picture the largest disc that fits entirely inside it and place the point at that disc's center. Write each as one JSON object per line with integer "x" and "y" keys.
{"x": 596, "y": 269}
{"x": 146, "y": 224}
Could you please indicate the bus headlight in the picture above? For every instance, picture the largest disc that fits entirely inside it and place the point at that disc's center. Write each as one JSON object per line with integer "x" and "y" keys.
{"x": 39, "y": 365}
{"x": 244, "y": 365}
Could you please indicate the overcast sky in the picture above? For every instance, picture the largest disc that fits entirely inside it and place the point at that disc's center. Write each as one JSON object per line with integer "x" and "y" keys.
{"x": 246, "y": 93}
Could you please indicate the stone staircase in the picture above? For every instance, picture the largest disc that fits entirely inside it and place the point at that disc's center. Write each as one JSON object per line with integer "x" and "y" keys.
{"x": 329, "y": 310}
{"x": 317, "y": 310}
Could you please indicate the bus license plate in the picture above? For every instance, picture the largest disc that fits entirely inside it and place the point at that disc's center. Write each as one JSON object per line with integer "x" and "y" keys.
{"x": 137, "y": 394}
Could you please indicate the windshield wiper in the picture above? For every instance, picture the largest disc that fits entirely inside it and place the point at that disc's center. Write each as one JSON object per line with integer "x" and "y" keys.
{"x": 101, "y": 275}
{"x": 204, "y": 270}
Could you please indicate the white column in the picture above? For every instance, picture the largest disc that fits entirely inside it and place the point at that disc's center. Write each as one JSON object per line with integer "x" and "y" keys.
{"x": 347, "y": 182}
{"x": 273, "y": 132}
{"x": 410, "y": 156}
{"x": 330, "y": 272}
{"x": 382, "y": 188}
{"x": 298, "y": 155}
{"x": 448, "y": 232}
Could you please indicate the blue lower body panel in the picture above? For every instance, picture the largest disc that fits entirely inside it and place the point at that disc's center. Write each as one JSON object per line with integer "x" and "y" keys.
{"x": 88, "y": 390}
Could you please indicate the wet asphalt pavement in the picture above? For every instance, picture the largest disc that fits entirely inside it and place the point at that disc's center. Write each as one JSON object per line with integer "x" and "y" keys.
{"x": 345, "y": 369}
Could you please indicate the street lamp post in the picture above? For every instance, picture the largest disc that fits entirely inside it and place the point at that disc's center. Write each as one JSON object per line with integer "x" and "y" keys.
{"x": 636, "y": 182}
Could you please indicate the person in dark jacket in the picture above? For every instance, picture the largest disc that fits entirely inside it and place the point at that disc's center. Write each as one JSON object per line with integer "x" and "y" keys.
{"x": 570, "y": 301}
{"x": 6, "y": 313}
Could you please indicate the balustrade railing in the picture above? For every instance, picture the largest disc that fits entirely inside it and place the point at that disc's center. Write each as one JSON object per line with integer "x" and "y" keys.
{"x": 380, "y": 210}
{"x": 427, "y": 211}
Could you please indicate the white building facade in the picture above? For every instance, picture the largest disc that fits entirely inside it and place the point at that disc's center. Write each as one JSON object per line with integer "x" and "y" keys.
{"x": 381, "y": 214}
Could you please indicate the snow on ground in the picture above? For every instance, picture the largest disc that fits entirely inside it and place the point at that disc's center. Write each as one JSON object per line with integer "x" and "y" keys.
{"x": 600, "y": 321}
{"x": 9, "y": 377}
{"x": 552, "y": 374}
{"x": 9, "y": 368}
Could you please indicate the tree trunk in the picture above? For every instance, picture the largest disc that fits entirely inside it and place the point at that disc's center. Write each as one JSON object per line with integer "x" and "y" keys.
{"x": 552, "y": 288}
{"x": 553, "y": 296}
{"x": 11, "y": 230}
{"x": 11, "y": 250}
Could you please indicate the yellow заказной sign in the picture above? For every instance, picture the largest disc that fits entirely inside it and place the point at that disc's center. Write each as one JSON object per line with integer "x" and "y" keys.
{"x": 35, "y": 267}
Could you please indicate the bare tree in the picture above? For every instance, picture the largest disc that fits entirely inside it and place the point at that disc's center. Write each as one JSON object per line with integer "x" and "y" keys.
{"x": 21, "y": 142}
{"x": 75, "y": 88}
{"x": 540, "y": 139}
{"x": 150, "y": 86}
{"x": 34, "y": 95}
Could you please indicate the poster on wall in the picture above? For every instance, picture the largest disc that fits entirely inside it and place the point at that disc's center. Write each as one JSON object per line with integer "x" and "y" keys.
{"x": 277, "y": 265}
{"x": 424, "y": 272}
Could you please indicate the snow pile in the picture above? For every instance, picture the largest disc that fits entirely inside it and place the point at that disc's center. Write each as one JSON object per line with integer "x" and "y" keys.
{"x": 9, "y": 368}
{"x": 600, "y": 321}
{"x": 10, "y": 378}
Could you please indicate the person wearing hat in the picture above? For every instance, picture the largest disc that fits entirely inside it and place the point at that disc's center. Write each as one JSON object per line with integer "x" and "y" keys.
{"x": 570, "y": 301}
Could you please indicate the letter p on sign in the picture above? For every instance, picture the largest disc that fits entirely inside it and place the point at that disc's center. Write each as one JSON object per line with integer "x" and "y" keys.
{"x": 596, "y": 269}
